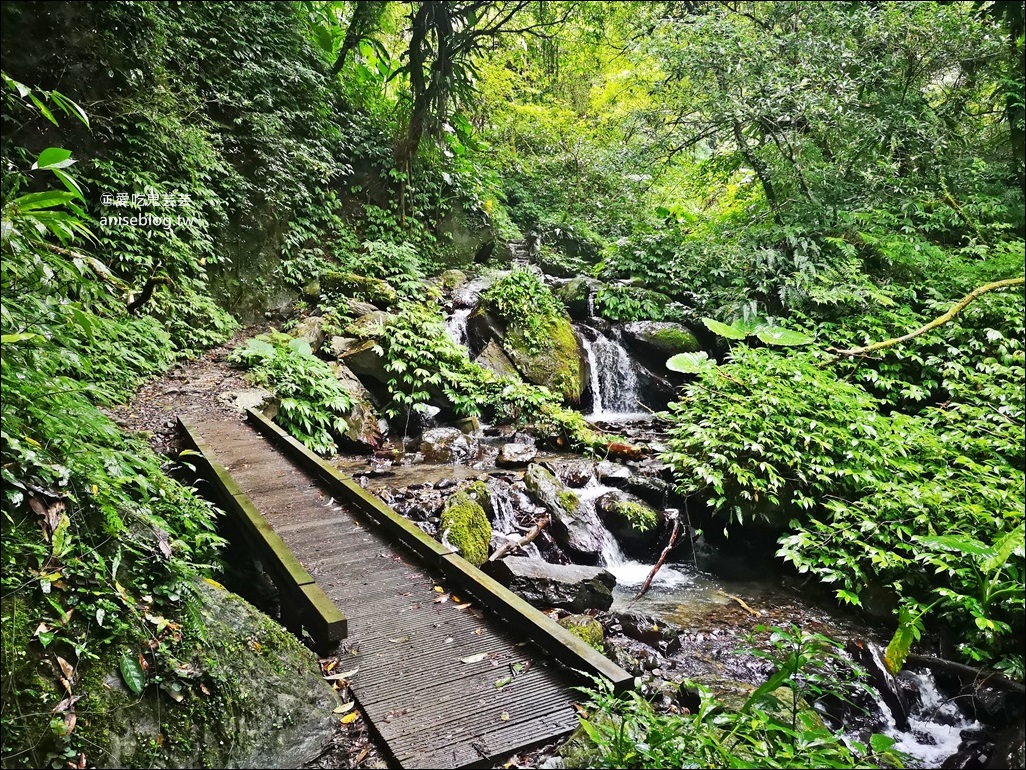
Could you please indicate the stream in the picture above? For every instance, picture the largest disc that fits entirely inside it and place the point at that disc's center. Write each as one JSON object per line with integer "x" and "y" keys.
{"x": 708, "y": 599}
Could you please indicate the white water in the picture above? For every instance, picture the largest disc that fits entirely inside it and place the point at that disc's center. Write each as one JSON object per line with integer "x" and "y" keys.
{"x": 456, "y": 326}
{"x": 936, "y": 724}
{"x": 628, "y": 572}
{"x": 504, "y": 527}
{"x": 614, "y": 384}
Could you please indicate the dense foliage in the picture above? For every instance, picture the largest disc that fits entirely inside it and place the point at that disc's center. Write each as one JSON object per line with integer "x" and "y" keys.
{"x": 809, "y": 177}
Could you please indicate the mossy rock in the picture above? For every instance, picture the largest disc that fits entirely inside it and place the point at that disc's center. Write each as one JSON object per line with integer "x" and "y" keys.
{"x": 466, "y": 527}
{"x": 557, "y": 362}
{"x": 343, "y": 284}
{"x": 451, "y": 280}
{"x": 249, "y": 695}
{"x": 585, "y": 628}
{"x": 662, "y": 338}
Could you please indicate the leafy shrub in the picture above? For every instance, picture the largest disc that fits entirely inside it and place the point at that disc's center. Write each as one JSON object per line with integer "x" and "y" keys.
{"x": 525, "y": 304}
{"x": 770, "y": 729}
{"x": 313, "y": 403}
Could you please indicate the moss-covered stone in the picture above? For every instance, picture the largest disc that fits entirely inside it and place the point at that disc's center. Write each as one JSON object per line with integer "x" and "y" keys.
{"x": 465, "y": 526}
{"x": 336, "y": 284}
{"x": 662, "y": 338}
{"x": 557, "y": 362}
{"x": 246, "y": 694}
{"x": 585, "y": 628}
{"x": 640, "y": 516}
{"x": 569, "y": 500}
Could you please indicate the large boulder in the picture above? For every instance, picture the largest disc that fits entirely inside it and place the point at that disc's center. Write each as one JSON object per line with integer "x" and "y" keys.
{"x": 516, "y": 455}
{"x": 370, "y": 325}
{"x": 449, "y": 445}
{"x": 574, "y": 526}
{"x": 244, "y": 399}
{"x": 557, "y": 362}
{"x": 494, "y": 359}
{"x": 310, "y": 329}
{"x": 364, "y": 360}
{"x": 373, "y": 290}
{"x": 578, "y": 296}
{"x": 660, "y": 339}
{"x": 567, "y": 586}
{"x": 465, "y": 527}
{"x": 264, "y": 702}
{"x": 364, "y": 427}
{"x": 634, "y": 524}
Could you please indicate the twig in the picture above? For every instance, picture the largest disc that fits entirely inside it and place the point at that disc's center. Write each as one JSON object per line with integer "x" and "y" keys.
{"x": 539, "y": 525}
{"x": 957, "y": 308}
{"x": 662, "y": 558}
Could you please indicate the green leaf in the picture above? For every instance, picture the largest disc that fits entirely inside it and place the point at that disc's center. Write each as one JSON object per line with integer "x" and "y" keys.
{"x": 691, "y": 363}
{"x": 959, "y": 544}
{"x": 906, "y": 633}
{"x": 53, "y": 157}
{"x": 10, "y": 339}
{"x": 301, "y": 346}
{"x": 881, "y": 743}
{"x": 43, "y": 200}
{"x": 723, "y": 330}
{"x": 133, "y": 673}
{"x": 774, "y": 335}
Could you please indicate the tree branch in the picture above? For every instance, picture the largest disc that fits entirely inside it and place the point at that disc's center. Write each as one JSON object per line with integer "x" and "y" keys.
{"x": 957, "y": 308}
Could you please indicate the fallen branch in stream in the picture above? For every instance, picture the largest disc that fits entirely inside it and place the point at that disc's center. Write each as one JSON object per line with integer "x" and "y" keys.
{"x": 980, "y": 677}
{"x": 662, "y": 558}
{"x": 539, "y": 525}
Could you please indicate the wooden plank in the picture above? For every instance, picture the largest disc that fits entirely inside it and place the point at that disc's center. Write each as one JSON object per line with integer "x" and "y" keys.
{"x": 550, "y": 636}
{"x": 324, "y": 621}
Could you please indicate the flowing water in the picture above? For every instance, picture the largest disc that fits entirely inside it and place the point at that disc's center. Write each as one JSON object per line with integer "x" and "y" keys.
{"x": 456, "y": 325}
{"x": 614, "y": 383}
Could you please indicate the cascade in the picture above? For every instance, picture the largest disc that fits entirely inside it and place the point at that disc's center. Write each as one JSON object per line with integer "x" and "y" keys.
{"x": 614, "y": 383}
{"x": 504, "y": 525}
{"x": 456, "y": 326}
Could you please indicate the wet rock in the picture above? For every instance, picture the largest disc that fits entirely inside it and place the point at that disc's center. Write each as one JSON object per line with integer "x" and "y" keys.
{"x": 483, "y": 327}
{"x": 612, "y": 474}
{"x": 574, "y": 527}
{"x": 281, "y": 712}
{"x": 337, "y": 347}
{"x": 567, "y": 586}
{"x": 495, "y": 360}
{"x": 635, "y": 525}
{"x": 468, "y": 425}
{"x": 516, "y": 455}
{"x": 660, "y": 338}
{"x": 645, "y": 629}
{"x": 355, "y": 308}
{"x": 451, "y": 280}
{"x": 574, "y": 474}
{"x": 651, "y": 489}
{"x": 585, "y": 628}
{"x": 1009, "y": 748}
{"x": 374, "y": 290}
{"x": 260, "y": 399}
{"x": 364, "y": 427}
{"x": 364, "y": 361}
{"x": 449, "y": 445}
{"x": 310, "y": 329}
{"x": 557, "y": 362}
{"x": 578, "y": 295}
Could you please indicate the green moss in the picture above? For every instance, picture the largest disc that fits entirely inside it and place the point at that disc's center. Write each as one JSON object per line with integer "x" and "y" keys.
{"x": 568, "y": 500}
{"x": 641, "y": 517}
{"x": 557, "y": 364}
{"x": 585, "y": 628}
{"x": 335, "y": 284}
{"x": 674, "y": 340}
{"x": 467, "y": 528}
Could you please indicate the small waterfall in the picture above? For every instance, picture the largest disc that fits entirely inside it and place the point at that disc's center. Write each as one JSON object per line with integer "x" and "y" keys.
{"x": 504, "y": 525}
{"x": 628, "y": 572}
{"x": 935, "y": 724}
{"x": 614, "y": 383}
{"x": 456, "y": 326}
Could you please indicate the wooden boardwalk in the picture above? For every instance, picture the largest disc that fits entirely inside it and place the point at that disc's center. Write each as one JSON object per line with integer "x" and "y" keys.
{"x": 444, "y": 682}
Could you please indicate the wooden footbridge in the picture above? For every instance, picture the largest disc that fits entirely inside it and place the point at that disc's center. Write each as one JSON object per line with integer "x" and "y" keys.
{"x": 451, "y": 669}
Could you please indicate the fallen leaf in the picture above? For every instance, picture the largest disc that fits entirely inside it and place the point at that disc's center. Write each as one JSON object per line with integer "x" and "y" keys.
{"x": 363, "y": 753}
{"x": 175, "y": 692}
{"x": 440, "y": 600}
{"x": 345, "y": 707}
{"x": 449, "y": 640}
{"x": 351, "y": 717}
{"x": 343, "y": 675}
{"x": 504, "y": 716}
{"x": 67, "y": 668}
{"x": 474, "y": 658}
{"x": 65, "y": 704}
{"x": 500, "y": 683}
{"x": 461, "y": 606}
{"x": 478, "y": 631}
{"x": 70, "y": 720}
{"x": 439, "y": 590}
{"x": 399, "y": 639}
{"x": 327, "y": 669}
{"x": 456, "y": 599}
